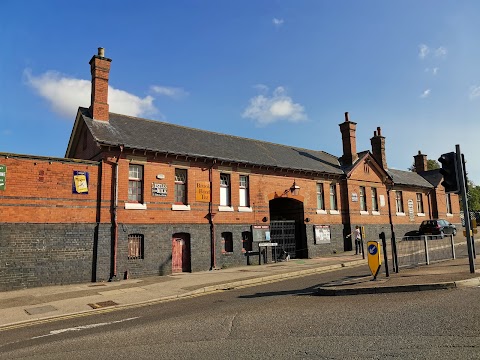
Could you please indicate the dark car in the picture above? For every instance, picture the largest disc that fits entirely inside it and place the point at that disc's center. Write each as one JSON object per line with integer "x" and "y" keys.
{"x": 437, "y": 227}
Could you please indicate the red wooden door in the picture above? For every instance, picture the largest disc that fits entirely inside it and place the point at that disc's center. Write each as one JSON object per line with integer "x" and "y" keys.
{"x": 180, "y": 253}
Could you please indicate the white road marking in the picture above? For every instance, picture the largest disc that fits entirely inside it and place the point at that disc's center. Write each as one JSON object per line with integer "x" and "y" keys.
{"x": 83, "y": 327}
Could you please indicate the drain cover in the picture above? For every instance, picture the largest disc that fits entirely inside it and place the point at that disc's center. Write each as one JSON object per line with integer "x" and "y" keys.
{"x": 102, "y": 304}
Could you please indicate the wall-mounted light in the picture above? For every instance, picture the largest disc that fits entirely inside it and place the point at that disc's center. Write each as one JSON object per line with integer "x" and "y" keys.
{"x": 294, "y": 189}
{"x": 265, "y": 219}
{"x": 307, "y": 220}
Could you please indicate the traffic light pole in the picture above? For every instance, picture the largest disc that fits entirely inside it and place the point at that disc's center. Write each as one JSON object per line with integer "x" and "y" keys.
{"x": 466, "y": 214}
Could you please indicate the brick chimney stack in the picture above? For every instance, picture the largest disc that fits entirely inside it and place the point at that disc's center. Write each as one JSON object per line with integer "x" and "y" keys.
{"x": 420, "y": 162}
{"x": 349, "y": 141}
{"x": 100, "y": 69}
{"x": 378, "y": 148}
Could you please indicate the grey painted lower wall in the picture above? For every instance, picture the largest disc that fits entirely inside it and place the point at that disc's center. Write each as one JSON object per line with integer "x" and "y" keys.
{"x": 157, "y": 259}
{"x": 317, "y": 248}
{"x": 33, "y": 255}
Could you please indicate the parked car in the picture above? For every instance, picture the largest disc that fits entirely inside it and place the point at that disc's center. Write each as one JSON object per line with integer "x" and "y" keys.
{"x": 437, "y": 227}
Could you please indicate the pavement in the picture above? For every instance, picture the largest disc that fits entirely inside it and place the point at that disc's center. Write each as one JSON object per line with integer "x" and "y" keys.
{"x": 28, "y": 306}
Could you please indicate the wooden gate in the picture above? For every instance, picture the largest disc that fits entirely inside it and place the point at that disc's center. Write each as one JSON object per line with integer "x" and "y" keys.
{"x": 181, "y": 253}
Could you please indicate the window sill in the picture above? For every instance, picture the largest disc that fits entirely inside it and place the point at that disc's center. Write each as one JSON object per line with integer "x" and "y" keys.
{"x": 334, "y": 212}
{"x": 421, "y": 214}
{"x": 449, "y": 215}
{"x": 364, "y": 212}
{"x": 135, "y": 206}
{"x": 375, "y": 213}
{"x": 320, "y": 211}
{"x": 400, "y": 214}
{"x": 225, "y": 208}
{"x": 177, "y": 207}
{"x": 244, "y": 209}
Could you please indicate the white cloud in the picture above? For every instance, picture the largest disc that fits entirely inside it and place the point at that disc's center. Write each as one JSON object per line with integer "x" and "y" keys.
{"x": 474, "y": 92}
{"x": 441, "y": 52}
{"x": 266, "y": 110}
{"x": 425, "y": 94}
{"x": 423, "y": 51}
{"x": 434, "y": 70}
{"x": 66, "y": 94}
{"x": 277, "y": 22}
{"x": 172, "y": 92}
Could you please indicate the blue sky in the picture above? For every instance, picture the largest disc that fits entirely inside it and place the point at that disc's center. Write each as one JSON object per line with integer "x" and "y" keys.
{"x": 279, "y": 71}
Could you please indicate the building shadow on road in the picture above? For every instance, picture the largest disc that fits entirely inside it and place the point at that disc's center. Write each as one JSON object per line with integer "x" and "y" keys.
{"x": 312, "y": 290}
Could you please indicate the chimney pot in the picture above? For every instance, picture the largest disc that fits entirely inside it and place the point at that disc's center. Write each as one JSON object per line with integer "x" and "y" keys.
{"x": 101, "y": 52}
{"x": 378, "y": 148}
{"x": 346, "y": 117}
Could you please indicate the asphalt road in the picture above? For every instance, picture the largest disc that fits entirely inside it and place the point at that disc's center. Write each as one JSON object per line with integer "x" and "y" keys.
{"x": 284, "y": 320}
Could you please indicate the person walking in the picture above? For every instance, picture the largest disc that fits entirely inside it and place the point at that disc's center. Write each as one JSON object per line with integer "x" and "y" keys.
{"x": 358, "y": 240}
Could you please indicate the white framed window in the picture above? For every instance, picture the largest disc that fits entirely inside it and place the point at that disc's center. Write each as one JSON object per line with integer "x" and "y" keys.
{"x": 420, "y": 203}
{"x": 363, "y": 199}
{"x": 399, "y": 201}
{"x": 333, "y": 197}
{"x": 320, "y": 197}
{"x": 181, "y": 186}
{"x": 374, "y": 199}
{"x": 225, "y": 190}
{"x": 135, "y": 183}
{"x": 244, "y": 191}
{"x": 448, "y": 202}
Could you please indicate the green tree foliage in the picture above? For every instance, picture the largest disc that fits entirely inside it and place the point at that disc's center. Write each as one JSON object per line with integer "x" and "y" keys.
{"x": 473, "y": 196}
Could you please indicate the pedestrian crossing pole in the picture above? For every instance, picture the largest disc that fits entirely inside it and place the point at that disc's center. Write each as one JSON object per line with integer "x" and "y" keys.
{"x": 466, "y": 214}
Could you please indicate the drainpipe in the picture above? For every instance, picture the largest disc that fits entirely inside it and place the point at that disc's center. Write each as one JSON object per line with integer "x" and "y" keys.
{"x": 115, "y": 217}
{"x": 390, "y": 213}
{"x": 213, "y": 262}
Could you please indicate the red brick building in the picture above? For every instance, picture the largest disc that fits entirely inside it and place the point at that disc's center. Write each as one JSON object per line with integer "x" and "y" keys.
{"x": 152, "y": 198}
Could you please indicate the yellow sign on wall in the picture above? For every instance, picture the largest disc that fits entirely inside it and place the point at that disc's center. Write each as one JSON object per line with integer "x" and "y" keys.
{"x": 202, "y": 191}
{"x": 374, "y": 259}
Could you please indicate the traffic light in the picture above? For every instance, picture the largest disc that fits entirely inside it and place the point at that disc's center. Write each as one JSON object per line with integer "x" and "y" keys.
{"x": 449, "y": 172}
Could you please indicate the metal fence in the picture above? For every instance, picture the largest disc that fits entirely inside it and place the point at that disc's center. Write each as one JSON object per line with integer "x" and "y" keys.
{"x": 423, "y": 250}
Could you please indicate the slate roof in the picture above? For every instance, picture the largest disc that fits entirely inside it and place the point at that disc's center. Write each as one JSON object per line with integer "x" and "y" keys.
{"x": 137, "y": 133}
{"x": 432, "y": 176}
{"x": 409, "y": 178}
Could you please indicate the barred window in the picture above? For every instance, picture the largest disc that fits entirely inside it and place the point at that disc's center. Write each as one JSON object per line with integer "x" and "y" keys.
{"x": 135, "y": 246}
{"x": 227, "y": 239}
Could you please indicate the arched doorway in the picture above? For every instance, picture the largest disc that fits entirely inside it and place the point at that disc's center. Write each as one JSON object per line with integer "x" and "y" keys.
{"x": 287, "y": 227}
{"x": 181, "y": 253}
